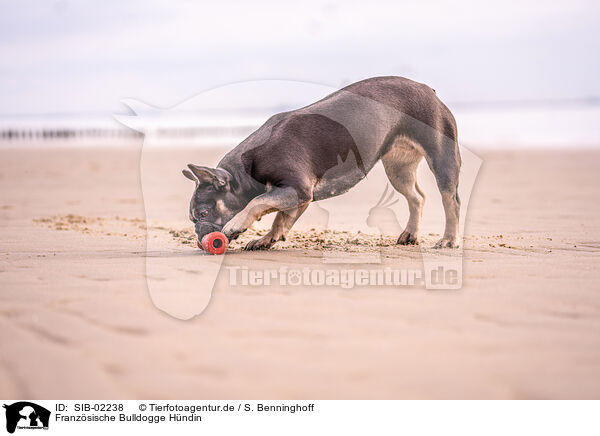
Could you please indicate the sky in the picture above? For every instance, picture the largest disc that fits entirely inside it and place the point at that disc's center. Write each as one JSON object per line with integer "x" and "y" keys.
{"x": 85, "y": 56}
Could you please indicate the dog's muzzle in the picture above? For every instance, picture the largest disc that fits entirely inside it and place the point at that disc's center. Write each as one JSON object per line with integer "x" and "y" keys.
{"x": 206, "y": 228}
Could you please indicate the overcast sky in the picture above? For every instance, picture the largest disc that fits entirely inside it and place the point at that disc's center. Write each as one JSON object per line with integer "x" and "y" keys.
{"x": 85, "y": 56}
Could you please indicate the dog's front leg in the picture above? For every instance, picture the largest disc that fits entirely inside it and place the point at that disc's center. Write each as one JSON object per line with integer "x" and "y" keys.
{"x": 282, "y": 223}
{"x": 275, "y": 199}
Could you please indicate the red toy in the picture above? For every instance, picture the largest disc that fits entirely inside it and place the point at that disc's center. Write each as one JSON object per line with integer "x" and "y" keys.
{"x": 215, "y": 243}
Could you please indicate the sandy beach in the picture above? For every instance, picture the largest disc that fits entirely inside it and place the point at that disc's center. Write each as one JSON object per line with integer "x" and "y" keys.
{"x": 77, "y": 321}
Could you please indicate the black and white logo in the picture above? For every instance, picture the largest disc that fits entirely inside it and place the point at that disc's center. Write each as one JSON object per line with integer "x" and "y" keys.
{"x": 26, "y": 415}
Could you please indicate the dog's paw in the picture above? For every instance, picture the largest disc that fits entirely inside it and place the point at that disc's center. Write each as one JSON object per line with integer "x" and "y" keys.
{"x": 446, "y": 243}
{"x": 263, "y": 243}
{"x": 407, "y": 238}
{"x": 234, "y": 228}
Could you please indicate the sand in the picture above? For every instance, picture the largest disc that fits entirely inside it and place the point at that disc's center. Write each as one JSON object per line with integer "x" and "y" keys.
{"x": 77, "y": 320}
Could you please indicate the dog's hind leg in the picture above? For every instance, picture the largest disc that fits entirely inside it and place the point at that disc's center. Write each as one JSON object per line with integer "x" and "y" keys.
{"x": 283, "y": 222}
{"x": 400, "y": 165}
{"x": 445, "y": 164}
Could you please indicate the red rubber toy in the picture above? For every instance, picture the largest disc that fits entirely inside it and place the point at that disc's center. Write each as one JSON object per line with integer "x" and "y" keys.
{"x": 214, "y": 243}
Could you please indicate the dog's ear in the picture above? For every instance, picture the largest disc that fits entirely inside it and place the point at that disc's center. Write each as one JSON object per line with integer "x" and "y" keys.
{"x": 217, "y": 177}
{"x": 189, "y": 175}
{"x": 204, "y": 174}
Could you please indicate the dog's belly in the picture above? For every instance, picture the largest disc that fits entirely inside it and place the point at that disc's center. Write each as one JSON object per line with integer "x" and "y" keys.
{"x": 336, "y": 184}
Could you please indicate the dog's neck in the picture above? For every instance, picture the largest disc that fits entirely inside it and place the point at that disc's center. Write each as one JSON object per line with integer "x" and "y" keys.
{"x": 245, "y": 187}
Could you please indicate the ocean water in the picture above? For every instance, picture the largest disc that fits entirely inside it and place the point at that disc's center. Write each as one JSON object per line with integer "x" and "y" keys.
{"x": 525, "y": 127}
{"x": 530, "y": 127}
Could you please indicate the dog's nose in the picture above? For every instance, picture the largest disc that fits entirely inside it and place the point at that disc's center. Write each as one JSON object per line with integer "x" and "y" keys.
{"x": 205, "y": 228}
{"x": 201, "y": 230}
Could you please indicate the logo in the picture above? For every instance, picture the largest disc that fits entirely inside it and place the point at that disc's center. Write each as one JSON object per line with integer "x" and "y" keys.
{"x": 26, "y": 415}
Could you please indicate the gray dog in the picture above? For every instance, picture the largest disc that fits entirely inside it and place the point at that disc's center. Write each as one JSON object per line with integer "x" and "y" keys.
{"x": 323, "y": 150}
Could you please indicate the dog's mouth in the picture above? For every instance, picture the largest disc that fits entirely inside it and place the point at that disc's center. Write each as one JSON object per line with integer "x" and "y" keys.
{"x": 203, "y": 229}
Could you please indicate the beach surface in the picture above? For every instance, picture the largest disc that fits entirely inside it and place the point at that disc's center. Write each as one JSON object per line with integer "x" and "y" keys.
{"x": 77, "y": 320}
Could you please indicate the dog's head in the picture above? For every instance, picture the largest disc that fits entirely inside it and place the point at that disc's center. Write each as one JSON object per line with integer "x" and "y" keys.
{"x": 214, "y": 201}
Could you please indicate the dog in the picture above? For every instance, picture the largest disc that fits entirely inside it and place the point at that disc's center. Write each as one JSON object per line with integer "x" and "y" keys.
{"x": 324, "y": 149}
